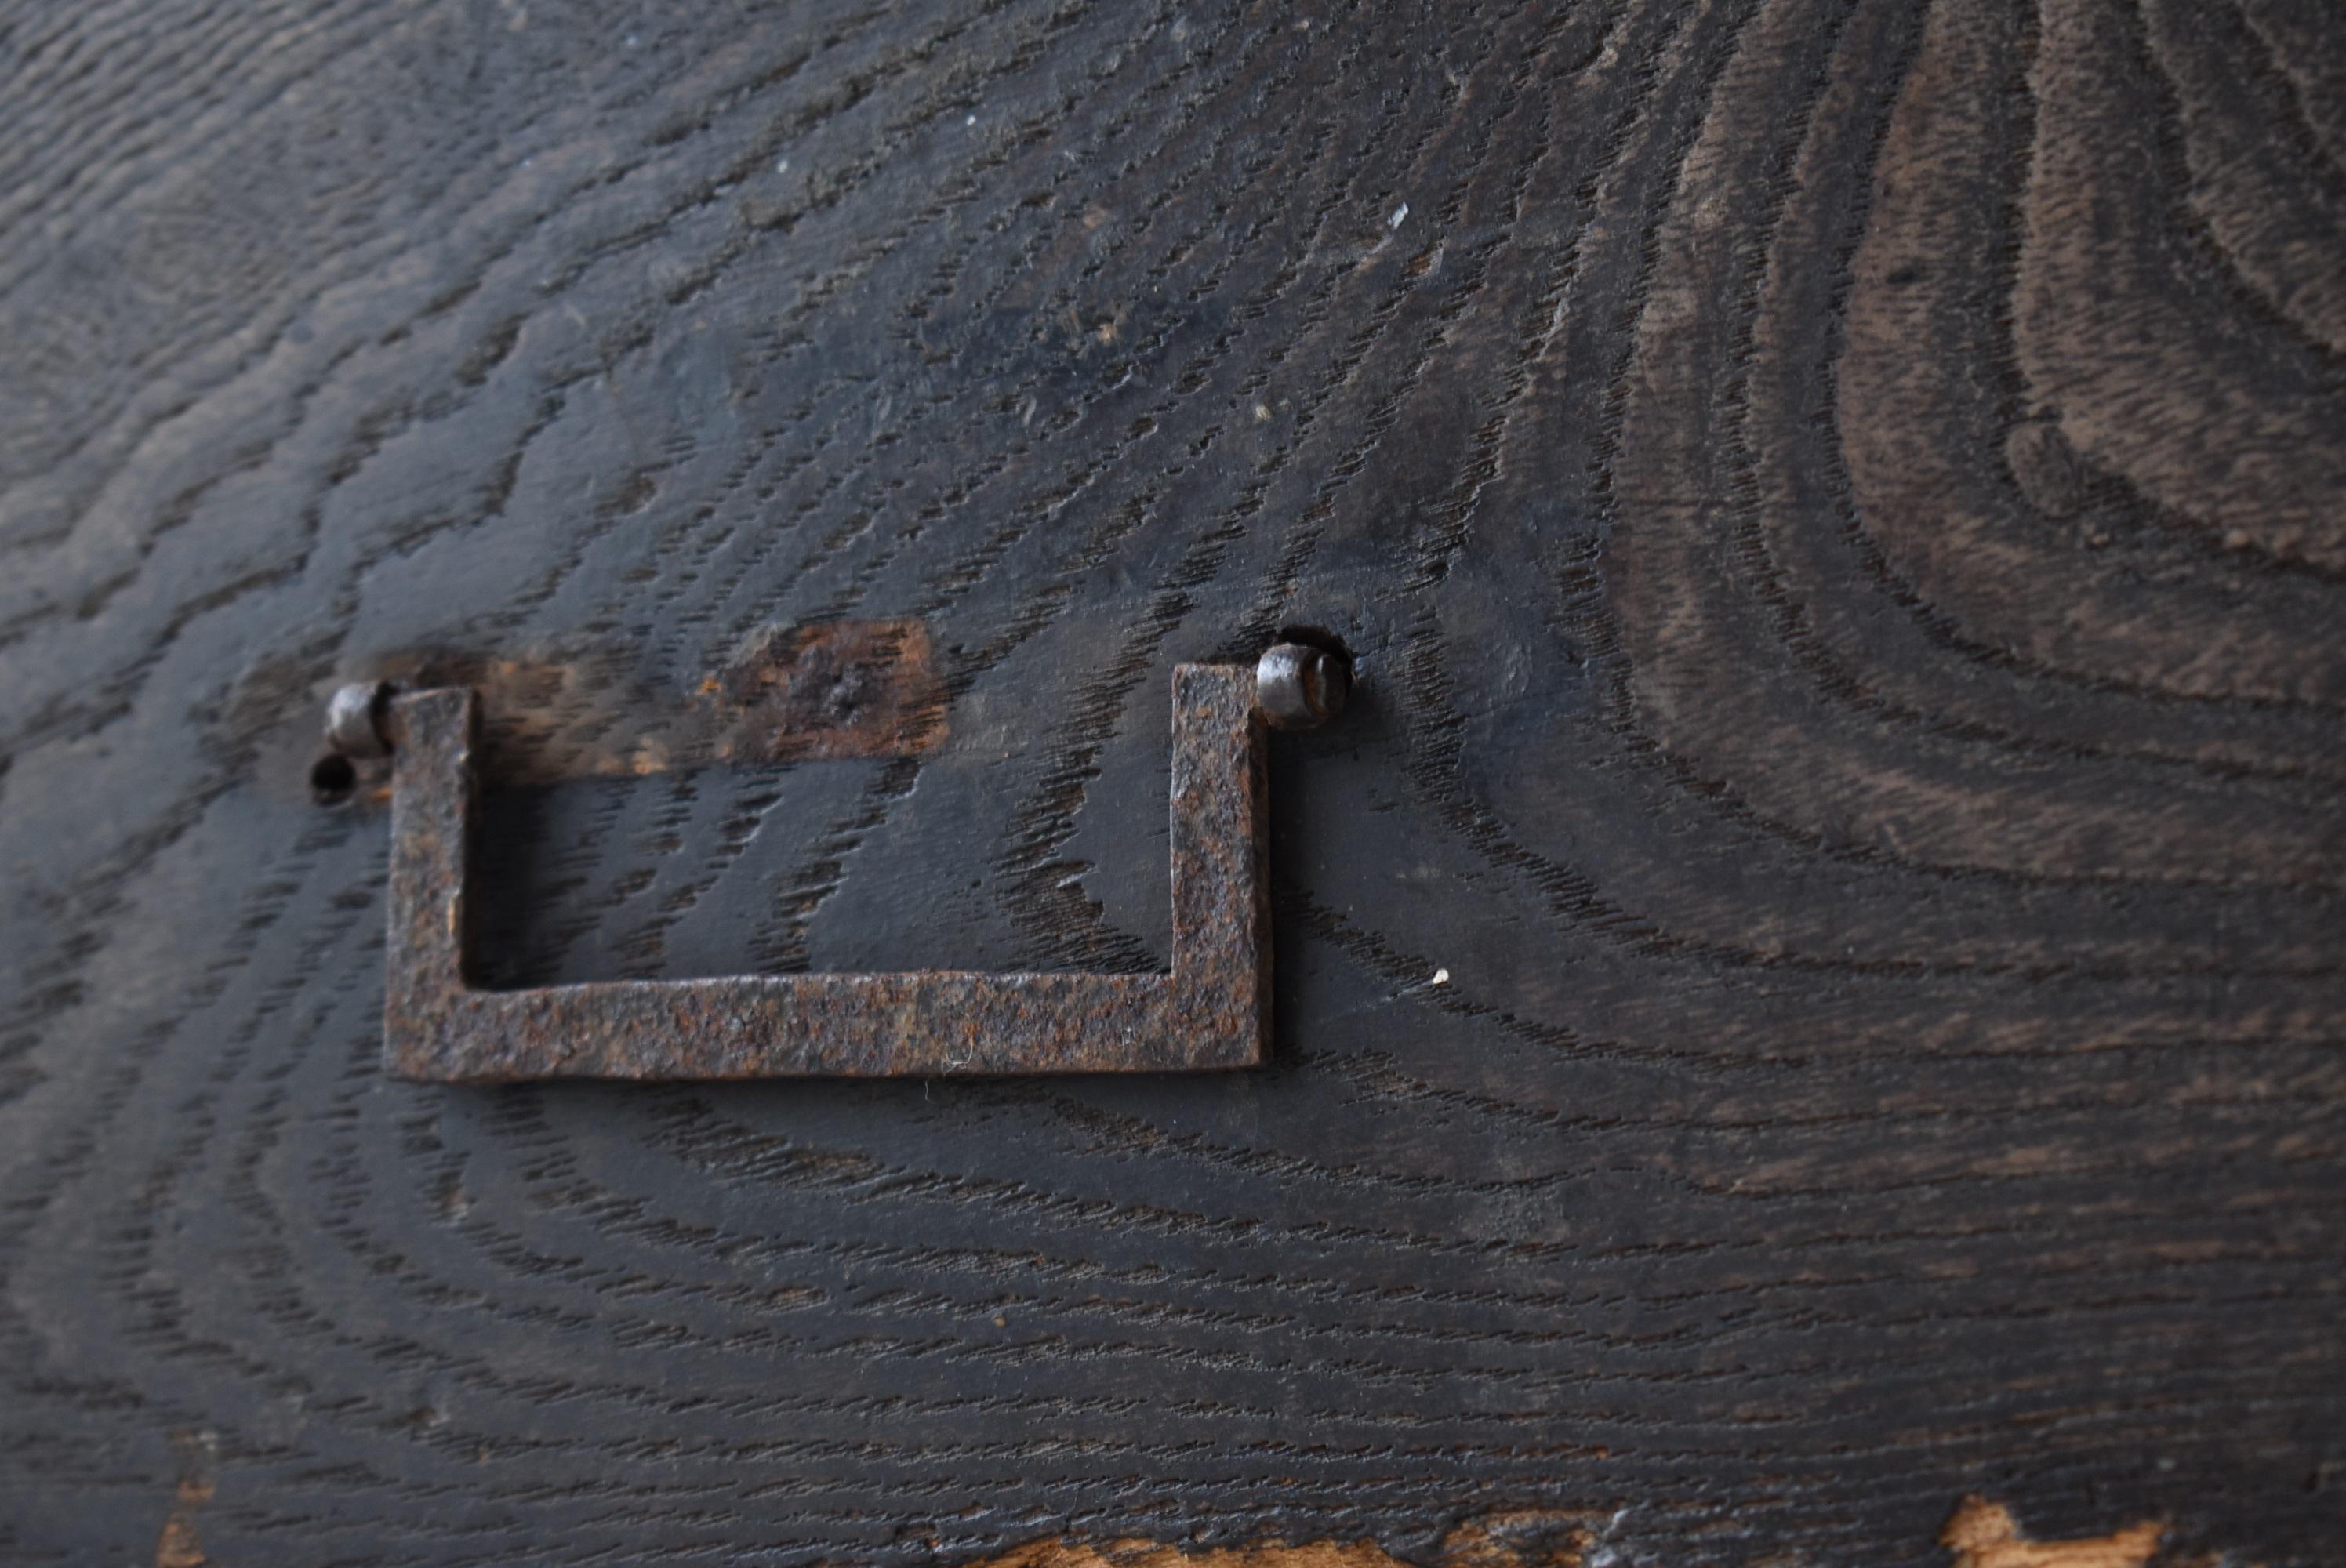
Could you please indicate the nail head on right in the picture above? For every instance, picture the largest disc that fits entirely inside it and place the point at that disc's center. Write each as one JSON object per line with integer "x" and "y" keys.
{"x": 1301, "y": 687}
{"x": 354, "y": 720}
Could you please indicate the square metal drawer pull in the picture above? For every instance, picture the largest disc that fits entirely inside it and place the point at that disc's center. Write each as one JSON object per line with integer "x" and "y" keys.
{"x": 1212, "y": 1010}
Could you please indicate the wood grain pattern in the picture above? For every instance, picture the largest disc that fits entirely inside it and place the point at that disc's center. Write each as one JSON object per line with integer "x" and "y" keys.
{"x": 1837, "y": 505}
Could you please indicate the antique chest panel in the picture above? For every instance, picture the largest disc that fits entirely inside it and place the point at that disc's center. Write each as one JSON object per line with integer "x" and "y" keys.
{"x": 1806, "y": 1021}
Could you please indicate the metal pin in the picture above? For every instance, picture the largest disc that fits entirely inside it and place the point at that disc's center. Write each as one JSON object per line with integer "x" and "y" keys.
{"x": 1301, "y": 687}
{"x": 354, "y": 720}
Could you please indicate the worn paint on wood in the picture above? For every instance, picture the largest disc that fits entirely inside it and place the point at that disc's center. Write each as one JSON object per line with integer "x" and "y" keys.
{"x": 1521, "y": 1540}
{"x": 1983, "y": 1534}
{"x": 179, "y": 1544}
{"x": 1979, "y": 1534}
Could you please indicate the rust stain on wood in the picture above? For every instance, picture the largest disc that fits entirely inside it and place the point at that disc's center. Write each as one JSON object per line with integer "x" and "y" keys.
{"x": 551, "y": 713}
{"x": 1983, "y": 1534}
{"x": 843, "y": 688}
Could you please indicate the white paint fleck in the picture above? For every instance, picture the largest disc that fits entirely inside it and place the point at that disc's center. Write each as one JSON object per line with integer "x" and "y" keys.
{"x": 1440, "y": 977}
{"x": 782, "y": 166}
{"x": 971, "y": 121}
{"x": 1398, "y": 214}
{"x": 1263, "y": 411}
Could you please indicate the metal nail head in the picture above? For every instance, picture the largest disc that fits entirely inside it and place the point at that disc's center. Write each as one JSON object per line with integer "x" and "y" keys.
{"x": 1298, "y": 686}
{"x": 354, "y": 720}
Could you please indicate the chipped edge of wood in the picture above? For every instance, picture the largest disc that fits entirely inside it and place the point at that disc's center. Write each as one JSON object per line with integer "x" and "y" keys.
{"x": 1985, "y": 1535}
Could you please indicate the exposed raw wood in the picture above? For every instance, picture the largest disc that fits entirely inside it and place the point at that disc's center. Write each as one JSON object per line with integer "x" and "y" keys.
{"x": 180, "y": 1544}
{"x": 1980, "y": 1534}
{"x": 1810, "y": 977}
{"x": 1504, "y": 1540}
{"x": 1983, "y": 1534}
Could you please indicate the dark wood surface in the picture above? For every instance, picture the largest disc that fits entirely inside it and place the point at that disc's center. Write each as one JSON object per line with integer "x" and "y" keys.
{"x": 1809, "y": 980}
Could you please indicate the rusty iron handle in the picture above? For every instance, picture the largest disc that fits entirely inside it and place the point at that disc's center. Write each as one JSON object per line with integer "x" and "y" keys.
{"x": 1212, "y": 1010}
